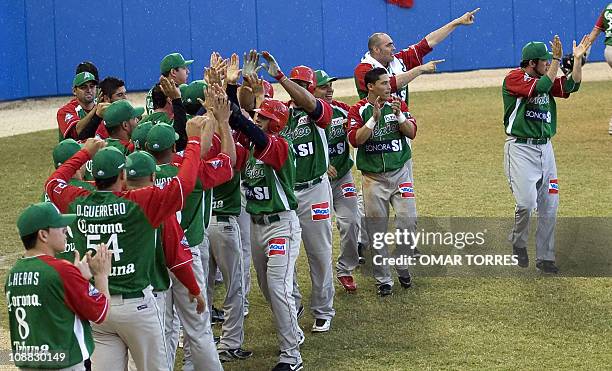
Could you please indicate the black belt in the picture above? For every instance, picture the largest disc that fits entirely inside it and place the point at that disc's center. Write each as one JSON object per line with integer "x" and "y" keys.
{"x": 304, "y": 185}
{"x": 265, "y": 219}
{"x": 531, "y": 140}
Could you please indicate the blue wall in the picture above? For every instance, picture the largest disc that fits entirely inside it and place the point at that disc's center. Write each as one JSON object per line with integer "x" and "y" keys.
{"x": 44, "y": 40}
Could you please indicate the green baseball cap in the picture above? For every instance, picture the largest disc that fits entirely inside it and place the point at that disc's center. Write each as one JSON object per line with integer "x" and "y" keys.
{"x": 535, "y": 50}
{"x": 139, "y": 134}
{"x": 82, "y": 78}
{"x": 323, "y": 78}
{"x": 140, "y": 164}
{"x": 192, "y": 91}
{"x": 161, "y": 137}
{"x": 40, "y": 216}
{"x": 64, "y": 150}
{"x": 107, "y": 163}
{"x": 119, "y": 112}
{"x": 174, "y": 60}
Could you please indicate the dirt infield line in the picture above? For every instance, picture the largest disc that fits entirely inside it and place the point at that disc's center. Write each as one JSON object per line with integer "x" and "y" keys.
{"x": 31, "y": 115}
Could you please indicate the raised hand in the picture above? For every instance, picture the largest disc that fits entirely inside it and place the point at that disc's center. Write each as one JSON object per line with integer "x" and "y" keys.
{"x": 250, "y": 63}
{"x": 221, "y": 106}
{"x": 377, "y": 105}
{"x": 581, "y": 49}
{"x": 557, "y": 49}
{"x": 431, "y": 66}
{"x": 100, "y": 264}
{"x": 194, "y": 126}
{"x": 271, "y": 66}
{"x": 212, "y": 76}
{"x": 396, "y": 106}
{"x": 82, "y": 265}
{"x": 233, "y": 70}
{"x": 101, "y": 108}
{"x": 468, "y": 17}
{"x": 93, "y": 145}
{"x": 169, "y": 88}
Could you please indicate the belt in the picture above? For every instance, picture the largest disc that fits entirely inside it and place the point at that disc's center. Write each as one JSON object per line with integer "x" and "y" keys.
{"x": 265, "y": 219}
{"x": 223, "y": 218}
{"x": 132, "y": 295}
{"x": 531, "y": 140}
{"x": 304, "y": 185}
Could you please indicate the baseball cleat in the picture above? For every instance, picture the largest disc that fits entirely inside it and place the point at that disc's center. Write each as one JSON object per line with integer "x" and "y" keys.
{"x": 300, "y": 312}
{"x": 230, "y": 355}
{"x": 282, "y": 366}
{"x": 348, "y": 283}
{"x": 246, "y": 311}
{"x": 385, "y": 289}
{"x": 521, "y": 256}
{"x": 405, "y": 281}
{"x": 360, "y": 248}
{"x": 216, "y": 316}
{"x": 321, "y": 325}
{"x": 547, "y": 266}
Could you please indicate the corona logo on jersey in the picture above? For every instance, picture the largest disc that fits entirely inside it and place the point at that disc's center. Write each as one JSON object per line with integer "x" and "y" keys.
{"x": 406, "y": 190}
{"x": 320, "y": 211}
{"x": 277, "y": 246}
{"x": 553, "y": 186}
{"x": 349, "y": 190}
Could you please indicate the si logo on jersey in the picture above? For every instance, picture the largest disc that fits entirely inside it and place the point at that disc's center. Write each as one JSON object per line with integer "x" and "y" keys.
{"x": 277, "y": 246}
{"x": 320, "y": 211}
{"x": 406, "y": 190}
{"x": 349, "y": 190}
{"x": 553, "y": 186}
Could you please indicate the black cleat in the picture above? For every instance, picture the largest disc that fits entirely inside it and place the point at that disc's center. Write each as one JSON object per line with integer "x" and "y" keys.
{"x": 230, "y": 355}
{"x": 547, "y": 266}
{"x": 521, "y": 256}
{"x": 300, "y": 312}
{"x": 360, "y": 248}
{"x": 385, "y": 289}
{"x": 282, "y": 366}
{"x": 216, "y": 316}
{"x": 406, "y": 281}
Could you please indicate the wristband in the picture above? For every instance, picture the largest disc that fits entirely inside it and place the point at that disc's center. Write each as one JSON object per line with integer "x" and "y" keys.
{"x": 401, "y": 118}
{"x": 557, "y": 59}
{"x": 371, "y": 123}
{"x": 279, "y": 76}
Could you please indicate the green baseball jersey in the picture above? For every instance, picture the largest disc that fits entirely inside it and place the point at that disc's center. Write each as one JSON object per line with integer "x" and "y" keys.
{"x": 309, "y": 143}
{"x": 226, "y": 197}
{"x": 50, "y": 305}
{"x": 160, "y": 279}
{"x": 604, "y": 23}
{"x": 387, "y": 149}
{"x": 530, "y": 110}
{"x": 269, "y": 178}
{"x": 68, "y": 253}
{"x": 339, "y": 150}
{"x": 191, "y": 217}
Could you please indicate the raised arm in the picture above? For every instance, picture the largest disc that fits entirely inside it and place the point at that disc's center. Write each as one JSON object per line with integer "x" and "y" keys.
{"x": 437, "y": 36}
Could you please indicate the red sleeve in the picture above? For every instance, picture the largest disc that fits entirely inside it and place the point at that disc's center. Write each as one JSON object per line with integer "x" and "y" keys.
{"x": 360, "y": 71}
{"x": 101, "y": 132}
{"x": 215, "y": 148}
{"x": 326, "y": 114}
{"x": 242, "y": 154}
{"x": 67, "y": 118}
{"x": 409, "y": 117}
{"x": 413, "y": 55}
{"x": 600, "y": 22}
{"x": 57, "y": 188}
{"x": 157, "y": 204}
{"x": 177, "y": 254}
{"x": 353, "y": 122}
{"x": 79, "y": 295}
{"x": 215, "y": 171}
{"x": 557, "y": 88}
{"x": 341, "y": 105}
{"x": 519, "y": 84}
{"x": 276, "y": 152}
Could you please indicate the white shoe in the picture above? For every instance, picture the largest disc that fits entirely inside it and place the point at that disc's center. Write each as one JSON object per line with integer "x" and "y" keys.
{"x": 321, "y": 325}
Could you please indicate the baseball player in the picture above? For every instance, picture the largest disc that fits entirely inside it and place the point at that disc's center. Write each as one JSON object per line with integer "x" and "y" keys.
{"x": 39, "y": 284}
{"x": 120, "y": 120}
{"x": 62, "y": 153}
{"x": 112, "y": 89}
{"x": 79, "y": 118}
{"x": 379, "y": 126}
{"x": 174, "y": 67}
{"x": 343, "y": 187}
{"x": 407, "y": 64}
{"x": 269, "y": 179}
{"x": 604, "y": 24}
{"x": 305, "y": 129}
{"x": 127, "y": 222}
{"x": 530, "y": 121}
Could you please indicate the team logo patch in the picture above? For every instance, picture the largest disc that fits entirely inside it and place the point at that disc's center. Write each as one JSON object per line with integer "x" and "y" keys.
{"x": 184, "y": 242}
{"x": 277, "y": 246}
{"x": 93, "y": 291}
{"x": 349, "y": 190}
{"x": 406, "y": 190}
{"x": 320, "y": 211}
{"x": 553, "y": 186}
{"x": 68, "y": 116}
{"x": 58, "y": 188}
{"x": 215, "y": 163}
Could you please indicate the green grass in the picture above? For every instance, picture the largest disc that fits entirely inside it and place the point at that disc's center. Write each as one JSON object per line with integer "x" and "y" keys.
{"x": 529, "y": 322}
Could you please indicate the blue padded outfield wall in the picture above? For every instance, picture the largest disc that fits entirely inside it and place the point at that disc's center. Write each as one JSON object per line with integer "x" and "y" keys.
{"x": 44, "y": 40}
